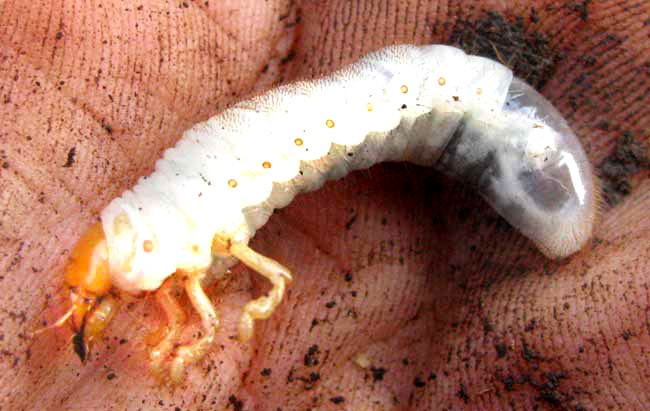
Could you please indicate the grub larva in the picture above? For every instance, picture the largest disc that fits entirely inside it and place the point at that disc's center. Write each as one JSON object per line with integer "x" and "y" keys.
{"x": 430, "y": 105}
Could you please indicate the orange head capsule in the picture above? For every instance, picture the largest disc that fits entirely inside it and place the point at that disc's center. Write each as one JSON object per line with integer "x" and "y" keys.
{"x": 87, "y": 275}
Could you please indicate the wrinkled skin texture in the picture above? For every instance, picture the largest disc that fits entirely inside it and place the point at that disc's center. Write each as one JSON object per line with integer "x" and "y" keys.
{"x": 450, "y": 307}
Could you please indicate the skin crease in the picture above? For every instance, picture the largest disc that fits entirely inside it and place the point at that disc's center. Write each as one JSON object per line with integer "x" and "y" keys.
{"x": 450, "y": 307}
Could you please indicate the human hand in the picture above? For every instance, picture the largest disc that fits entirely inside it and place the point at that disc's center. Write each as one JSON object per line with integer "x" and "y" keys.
{"x": 409, "y": 292}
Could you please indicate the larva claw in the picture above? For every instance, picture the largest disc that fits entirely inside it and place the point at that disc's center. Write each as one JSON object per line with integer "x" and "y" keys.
{"x": 169, "y": 332}
{"x": 163, "y": 357}
{"x": 263, "y": 307}
{"x": 189, "y": 354}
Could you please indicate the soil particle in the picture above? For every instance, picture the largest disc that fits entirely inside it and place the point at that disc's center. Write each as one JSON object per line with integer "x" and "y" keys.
{"x": 418, "y": 382}
{"x": 311, "y": 358}
{"x": 529, "y": 354}
{"x": 237, "y": 404}
{"x": 579, "y": 7}
{"x": 628, "y": 159}
{"x": 507, "y": 40}
{"x": 548, "y": 388}
{"x": 462, "y": 394}
{"x": 501, "y": 349}
{"x": 70, "y": 160}
{"x": 509, "y": 382}
{"x": 337, "y": 400}
{"x": 377, "y": 373}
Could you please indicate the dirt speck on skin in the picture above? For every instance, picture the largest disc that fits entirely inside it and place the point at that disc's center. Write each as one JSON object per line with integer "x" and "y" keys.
{"x": 290, "y": 56}
{"x": 501, "y": 349}
{"x": 462, "y": 394}
{"x": 377, "y": 373}
{"x": 581, "y": 8}
{"x": 338, "y": 399}
{"x": 628, "y": 159}
{"x": 311, "y": 358}
{"x": 528, "y": 353}
{"x": 552, "y": 388}
{"x": 235, "y": 403}
{"x": 70, "y": 160}
{"x": 4, "y": 162}
{"x": 526, "y": 52}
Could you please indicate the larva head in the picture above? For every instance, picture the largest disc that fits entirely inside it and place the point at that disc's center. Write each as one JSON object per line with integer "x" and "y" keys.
{"x": 88, "y": 277}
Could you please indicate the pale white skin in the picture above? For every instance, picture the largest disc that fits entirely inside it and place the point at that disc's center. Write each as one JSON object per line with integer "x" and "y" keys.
{"x": 403, "y": 103}
{"x": 432, "y": 105}
{"x": 601, "y": 313}
{"x": 214, "y": 182}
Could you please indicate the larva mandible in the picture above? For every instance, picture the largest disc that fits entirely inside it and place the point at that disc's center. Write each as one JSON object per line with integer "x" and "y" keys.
{"x": 431, "y": 105}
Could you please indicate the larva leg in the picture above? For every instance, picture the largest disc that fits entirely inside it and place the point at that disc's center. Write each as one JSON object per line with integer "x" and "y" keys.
{"x": 188, "y": 354}
{"x": 171, "y": 331}
{"x": 262, "y": 307}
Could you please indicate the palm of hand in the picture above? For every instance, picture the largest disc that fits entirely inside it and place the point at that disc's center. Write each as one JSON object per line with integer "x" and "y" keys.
{"x": 445, "y": 306}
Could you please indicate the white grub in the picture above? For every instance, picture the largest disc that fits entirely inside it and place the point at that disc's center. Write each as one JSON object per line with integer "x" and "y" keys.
{"x": 431, "y": 105}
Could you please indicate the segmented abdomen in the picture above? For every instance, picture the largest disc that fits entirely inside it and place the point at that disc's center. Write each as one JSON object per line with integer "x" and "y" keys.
{"x": 226, "y": 175}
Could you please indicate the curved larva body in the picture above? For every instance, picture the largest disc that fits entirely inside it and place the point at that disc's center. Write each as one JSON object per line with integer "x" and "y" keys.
{"x": 431, "y": 105}
{"x": 401, "y": 103}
